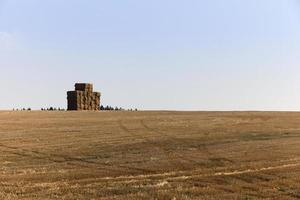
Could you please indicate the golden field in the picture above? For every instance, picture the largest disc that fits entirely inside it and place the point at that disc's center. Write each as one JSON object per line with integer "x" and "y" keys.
{"x": 149, "y": 155}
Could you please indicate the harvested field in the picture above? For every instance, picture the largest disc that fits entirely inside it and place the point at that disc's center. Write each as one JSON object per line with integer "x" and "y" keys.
{"x": 149, "y": 155}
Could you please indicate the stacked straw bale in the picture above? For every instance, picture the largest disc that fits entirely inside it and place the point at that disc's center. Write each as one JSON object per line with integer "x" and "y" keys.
{"x": 83, "y": 98}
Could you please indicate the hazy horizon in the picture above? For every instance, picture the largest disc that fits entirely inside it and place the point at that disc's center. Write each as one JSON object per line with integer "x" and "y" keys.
{"x": 161, "y": 55}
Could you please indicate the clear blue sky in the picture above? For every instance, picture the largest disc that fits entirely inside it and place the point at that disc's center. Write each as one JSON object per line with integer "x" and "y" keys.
{"x": 158, "y": 54}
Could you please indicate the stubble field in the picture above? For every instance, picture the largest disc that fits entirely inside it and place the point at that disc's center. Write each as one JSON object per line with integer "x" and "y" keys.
{"x": 149, "y": 155}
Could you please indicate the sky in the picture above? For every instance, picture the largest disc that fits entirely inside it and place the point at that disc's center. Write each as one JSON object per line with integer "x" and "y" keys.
{"x": 152, "y": 55}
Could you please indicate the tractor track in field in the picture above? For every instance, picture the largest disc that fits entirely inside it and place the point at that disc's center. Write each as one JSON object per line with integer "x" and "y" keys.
{"x": 185, "y": 175}
{"x": 142, "y": 137}
{"x": 57, "y": 158}
{"x": 170, "y": 138}
{"x": 204, "y": 149}
{"x": 156, "y": 180}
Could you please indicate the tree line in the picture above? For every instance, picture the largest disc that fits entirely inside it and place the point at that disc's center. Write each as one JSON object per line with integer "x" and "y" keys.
{"x": 102, "y": 108}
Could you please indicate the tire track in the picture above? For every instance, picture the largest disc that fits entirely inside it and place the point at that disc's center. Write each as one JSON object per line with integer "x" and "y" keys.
{"x": 170, "y": 138}
{"x": 174, "y": 175}
{"x": 57, "y": 158}
{"x": 148, "y": 181}
{"x": 127, "y": 130}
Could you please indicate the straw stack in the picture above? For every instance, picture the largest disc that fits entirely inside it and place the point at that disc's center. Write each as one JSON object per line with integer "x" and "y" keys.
{"x": 86, "y": 87}
{"x": 83, "y": 98}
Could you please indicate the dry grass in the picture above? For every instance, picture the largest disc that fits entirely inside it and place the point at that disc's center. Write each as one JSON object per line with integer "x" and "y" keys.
{"x": 149, "y": 155}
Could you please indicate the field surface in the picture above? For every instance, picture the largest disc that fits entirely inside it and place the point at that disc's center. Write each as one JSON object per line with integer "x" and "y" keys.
{"x": 149, "y": 155}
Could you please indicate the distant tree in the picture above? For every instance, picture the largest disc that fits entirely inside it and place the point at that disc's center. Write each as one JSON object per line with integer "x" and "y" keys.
{"x": 29, "y": 109}
{"x": 111, "y": 108}
{"x": 51, "y": 108}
